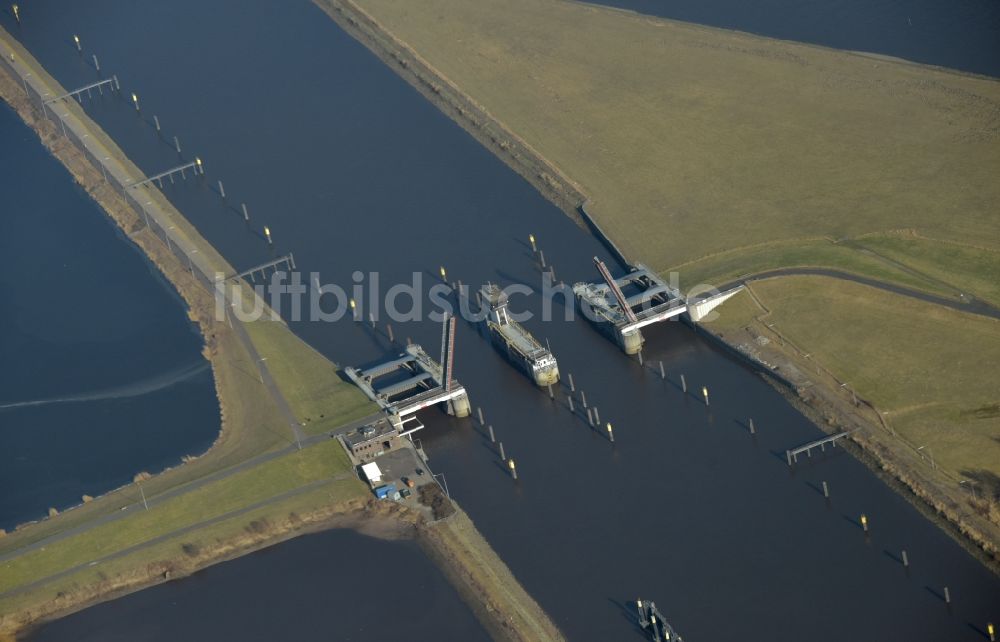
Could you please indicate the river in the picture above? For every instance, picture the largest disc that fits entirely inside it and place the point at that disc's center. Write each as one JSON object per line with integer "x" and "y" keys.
{"x": 80, "y": 411}
{"x": 346, "y": 587}
{"x": 959, "y": 35}
{"x": 353, "y": 170}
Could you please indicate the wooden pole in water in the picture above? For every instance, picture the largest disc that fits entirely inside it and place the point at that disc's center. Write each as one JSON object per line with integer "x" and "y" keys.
{"x": 531, "y": 239}
{"x": 177, "y": 144}
{"x": 752, "y": 429}
{"x": 684, "y": 384}
{"x": 905, "y": 557}
{"x": 597, "y": 416}
{"x": 156, "y": 122}
{"x": 611, "y": 434}
{"x": 479, "y": 412}
{"x": 704, "y": 393}
{"x": 502, "y": 455}
{"x": 552, "y": 395}
{"x": 246, "y": 214}
{"x": 826, "y": 490}
{"x": 947, "y": 596}
{"x": 583, "y": 398}
{"x": 388, "y": 331}
{"x": 493, "y": 438}
{"x": 572, "y": 386}
{"x": 513, "y": 468}
{"x": 571, "y": 408}
{"x": 541, "y": 258}
{"x": 222, "y": 190}
{"x": 663, "y": 373}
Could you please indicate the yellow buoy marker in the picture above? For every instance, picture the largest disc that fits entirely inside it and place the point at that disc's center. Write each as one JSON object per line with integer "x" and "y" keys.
{"x": 444, "y": 274}
{"x": 864, "y": 522}
{"x": 135, "y": 101}
{"x": 267, "y": 233}
{"x": 17, "y": 12}
{"x": 197, "y": 161}
{"x": 992, "y": 632}
{"x": 513, "y": 468}
{"x": 76, "y": 39}
{"x": 611, "y": 433}
{"x": 531, "y": 239}
{"x": 704, "y": 393}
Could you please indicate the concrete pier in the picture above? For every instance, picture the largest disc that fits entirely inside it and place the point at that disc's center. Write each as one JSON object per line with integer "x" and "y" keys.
{"x": 426, "y": 385}
{"x": 621, "y": 307}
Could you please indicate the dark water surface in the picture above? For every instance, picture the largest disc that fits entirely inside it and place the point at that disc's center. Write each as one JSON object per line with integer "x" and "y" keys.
{"x": 346, "y": 587}
{"x": 963, "y": 35}
{"x": 102, "y": 372}
{"x": 353, "y": 170}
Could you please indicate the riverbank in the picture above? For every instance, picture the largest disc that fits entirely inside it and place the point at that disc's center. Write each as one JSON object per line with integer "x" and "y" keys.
{"x": 210, "y": 509}
{"x": 576, "y": 112}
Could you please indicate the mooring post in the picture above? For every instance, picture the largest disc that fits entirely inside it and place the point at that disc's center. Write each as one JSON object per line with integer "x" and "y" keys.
{"x": 663, "y": 373}
{"x": 552, "y": 395}
{"x": 479, "y": 412}
{"x": 597, "y": 416}
{"x": 640, "y": 357}
{"x": 97, "y": 65}
{"x": 177, "y": 142}
{"x": 571, "y": 408}
{"x": 267, "y": 235}
{"x": 541, "y": 258}
{"x": 513, "y": 468}
{"x": 246, "y": 215}
{"x": 991, "y": 630}
{"x": 135, "y": 99}
{"x": 388, "y": 330}
{"x": 752, "y": 429}
{"x": 572, "y": 386}
{"x": 222, "y": 190}
{"x": 552, "y": 273}
{"x": 826, "y": 490}
{"x": 947, "y": 596}
{"x": 502, "y": 454}
{"x": 864, "y": 522}
{"x": 704, "y": 393}
{"x": 788, "y": 457}
{"x": 684, "y": 384}
{"x": 590, "y": 417}
{"x": 531, "y": 239}
{"x": 493, "y": 438}
{"x": 444, "y": 274}
{"x": 371, "y": 319}
{"x": 611, "y": 433}
{"x": 156, "y": 122}
{"x": 905, "y": 557}
{"x": 76, "y": 40}
{"x": 583, "y": 399}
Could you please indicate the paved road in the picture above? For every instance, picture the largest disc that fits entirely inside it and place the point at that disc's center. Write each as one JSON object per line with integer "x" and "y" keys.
{"x": 174, "y": 533}
{"x": 175, "y": 492}
{"x": 965, "y": 304}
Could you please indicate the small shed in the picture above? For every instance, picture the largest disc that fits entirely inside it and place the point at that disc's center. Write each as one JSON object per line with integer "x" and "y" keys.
{"x": 372, "y": 472}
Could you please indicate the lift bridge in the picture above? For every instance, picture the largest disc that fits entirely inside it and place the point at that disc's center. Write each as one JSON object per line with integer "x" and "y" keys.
{"x": 428, "y": 382}
{"x": 622, "y": 317}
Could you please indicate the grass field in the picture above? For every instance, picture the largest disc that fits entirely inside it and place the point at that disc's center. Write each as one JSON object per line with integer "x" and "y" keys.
{"x": 692, "y": 141}
{"x": 933, "y": 388}
{"x": 241, "y": 489}
{"x": 308, "y": 380}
